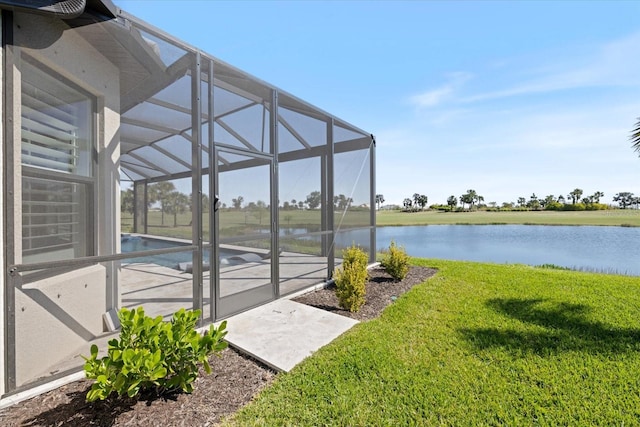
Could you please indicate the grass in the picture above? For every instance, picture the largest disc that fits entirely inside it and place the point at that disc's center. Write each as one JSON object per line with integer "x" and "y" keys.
{"x": 235, "y": 222}
{"x": 232, "y": 221}
{"x": 618, "y": 217}
{"x": 478, "y": 344}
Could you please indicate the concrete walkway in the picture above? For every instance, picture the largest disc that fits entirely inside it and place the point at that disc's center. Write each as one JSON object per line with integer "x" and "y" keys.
{"x": 282, "y": 333}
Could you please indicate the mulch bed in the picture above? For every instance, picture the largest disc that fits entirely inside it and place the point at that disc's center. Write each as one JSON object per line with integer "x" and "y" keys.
{"x": 235, "y": 379}
{"x": 382, "y": 290}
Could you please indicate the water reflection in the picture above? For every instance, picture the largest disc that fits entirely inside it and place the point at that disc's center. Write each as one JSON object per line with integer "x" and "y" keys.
{"x": 604, "y": 249}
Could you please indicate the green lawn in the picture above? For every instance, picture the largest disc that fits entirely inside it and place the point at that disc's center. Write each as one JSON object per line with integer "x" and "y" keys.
{"x": 231, "y": 220}
{"x": 478, "y": 344}
{"x": 235, "y": 222}
{"x": 625, "y": 217}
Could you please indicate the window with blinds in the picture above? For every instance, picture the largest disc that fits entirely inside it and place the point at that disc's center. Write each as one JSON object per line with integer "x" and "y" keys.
{"x": 57, "y": 166}
{"x": 54, "y": 218}
{"x": 56, "y": 123}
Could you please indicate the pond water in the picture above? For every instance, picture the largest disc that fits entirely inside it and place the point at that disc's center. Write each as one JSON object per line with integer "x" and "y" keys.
{"x": 601, "y": 249}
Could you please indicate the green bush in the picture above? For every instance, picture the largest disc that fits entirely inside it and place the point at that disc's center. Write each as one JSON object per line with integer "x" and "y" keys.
{"x": 573, "y": 207}
{"x": 395, "y": 261}
{"x": 596, "y": 207}
{"x": 437, "y": 207}
{"x": 552, "y": 267}
{"x": 351, "y": 279}
{"x": 152, "y": 354}
{"x": 553, "y": 206}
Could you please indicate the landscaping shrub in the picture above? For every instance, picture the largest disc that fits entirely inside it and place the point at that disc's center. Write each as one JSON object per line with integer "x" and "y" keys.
{"x": 395, "y": 261}
{"x": 351, "y": 279}
{"x": 152, "y": 354}
{"x": 573, "y": 207}
{"x": 596, "y": 207}
{"x": 552, "y": 267}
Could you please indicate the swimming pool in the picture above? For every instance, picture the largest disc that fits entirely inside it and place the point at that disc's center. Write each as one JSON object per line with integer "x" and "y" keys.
{"x": 129, "y": 243}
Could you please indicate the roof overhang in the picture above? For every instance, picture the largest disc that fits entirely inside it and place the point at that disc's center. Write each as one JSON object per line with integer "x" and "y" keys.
{"x": 64, "y": 9}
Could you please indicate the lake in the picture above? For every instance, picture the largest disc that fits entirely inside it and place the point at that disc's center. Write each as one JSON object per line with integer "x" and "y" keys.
{"x": 602, "y": 249}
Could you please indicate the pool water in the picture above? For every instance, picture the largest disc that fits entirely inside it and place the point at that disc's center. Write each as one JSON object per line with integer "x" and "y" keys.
{"x": 130, "y": 243}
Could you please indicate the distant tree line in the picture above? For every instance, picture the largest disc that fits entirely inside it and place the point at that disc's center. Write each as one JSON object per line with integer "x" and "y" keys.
{"x": 314, "y": 201}
{"x": 416, "y": 203}
{"x": 170, "y": 200}
{"x": 574, "y": 201}
{"x": 173, "y": 202}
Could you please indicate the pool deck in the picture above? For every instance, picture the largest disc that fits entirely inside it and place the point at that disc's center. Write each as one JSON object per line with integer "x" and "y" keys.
{"x": 280, "y": 333}
{"x": 163, "y": 290}
{"x": 299, "y": 330}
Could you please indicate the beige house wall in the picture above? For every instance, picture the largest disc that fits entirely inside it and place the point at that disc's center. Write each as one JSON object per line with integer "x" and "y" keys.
{"x": 57, "y": 315}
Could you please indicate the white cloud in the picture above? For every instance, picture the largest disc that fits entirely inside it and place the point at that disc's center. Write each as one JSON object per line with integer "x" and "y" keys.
{"x": 608, "y": 65}
{"x": 434, "y": 97}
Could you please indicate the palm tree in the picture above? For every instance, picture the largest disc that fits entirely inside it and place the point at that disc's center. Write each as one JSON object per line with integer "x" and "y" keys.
{"x": 575, "y": 195}
{"x": 237, "y": 202}
{"x": 452, "y": 201}
{"x": 416, "y": 199}
{"x": 471, "y": 198}
{"x": 597, "y": 195}
{"x": 466, "y": 198}
{"x": 422, "y": 201}
{"x": 635, "y": 137}
{"x": 624, "y": 199}
{"x": 550, "y": 198}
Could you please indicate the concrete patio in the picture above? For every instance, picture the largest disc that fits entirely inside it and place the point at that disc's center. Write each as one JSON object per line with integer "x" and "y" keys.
{"x": 283, "y": 333}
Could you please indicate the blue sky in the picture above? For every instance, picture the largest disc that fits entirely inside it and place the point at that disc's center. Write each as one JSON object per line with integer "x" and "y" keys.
{"x": 506, "y": 98}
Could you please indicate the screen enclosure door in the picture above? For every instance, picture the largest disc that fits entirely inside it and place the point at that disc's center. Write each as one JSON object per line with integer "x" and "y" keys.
{"x": 244, "y": 231}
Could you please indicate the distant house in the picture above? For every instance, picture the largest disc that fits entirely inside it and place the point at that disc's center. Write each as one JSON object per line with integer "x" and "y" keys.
{"x": 119, "y": 145}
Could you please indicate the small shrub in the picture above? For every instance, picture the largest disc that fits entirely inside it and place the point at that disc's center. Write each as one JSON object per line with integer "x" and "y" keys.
{"x": 395, "y": 261}
{"x": 552, "y": 267}
{"x": 152, "y": 354}
{"x": 573, "y": 207}
{"x": 351, "y": 279}
{"x": 596, "y": 207}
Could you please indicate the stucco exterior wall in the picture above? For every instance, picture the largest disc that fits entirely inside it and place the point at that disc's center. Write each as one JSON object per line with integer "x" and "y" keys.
{"x": 57, "y": 315}
{"x": 55, "y": 318}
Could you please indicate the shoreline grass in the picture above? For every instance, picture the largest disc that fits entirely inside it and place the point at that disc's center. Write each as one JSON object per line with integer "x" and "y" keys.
{"x": 478, "y": 344}
{"x": 615, "y": 217}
